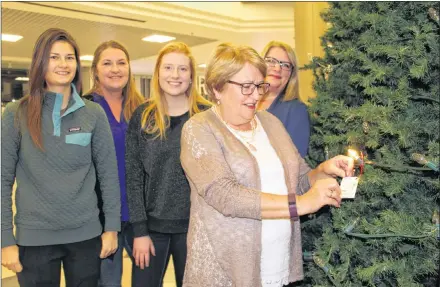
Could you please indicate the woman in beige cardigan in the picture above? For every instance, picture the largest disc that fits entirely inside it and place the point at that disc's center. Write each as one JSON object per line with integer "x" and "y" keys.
{"x": 248, "y": 183}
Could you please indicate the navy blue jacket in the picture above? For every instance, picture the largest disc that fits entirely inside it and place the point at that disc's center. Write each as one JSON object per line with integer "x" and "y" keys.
{"x": 295, "y": 118}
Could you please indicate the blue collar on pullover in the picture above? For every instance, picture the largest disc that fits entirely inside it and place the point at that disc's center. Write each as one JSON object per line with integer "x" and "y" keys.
{"x": 55, "y": 101}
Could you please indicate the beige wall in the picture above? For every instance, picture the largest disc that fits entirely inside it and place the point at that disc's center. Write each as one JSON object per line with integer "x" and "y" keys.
{"x": 242, "y": 10}
{"x": 87, "y": 82}
{"x": 308, "y": 28}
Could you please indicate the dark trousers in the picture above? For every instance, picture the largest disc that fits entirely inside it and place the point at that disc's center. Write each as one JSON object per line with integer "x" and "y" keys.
{"x": 165, "y": 244}
{"x": 42, "y": 264}
{"x": 112, "y": 266}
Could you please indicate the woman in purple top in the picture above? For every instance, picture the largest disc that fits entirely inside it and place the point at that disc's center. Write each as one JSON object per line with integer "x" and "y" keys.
{"x": 114, "y": 89}
{"x": 283, "y": 99}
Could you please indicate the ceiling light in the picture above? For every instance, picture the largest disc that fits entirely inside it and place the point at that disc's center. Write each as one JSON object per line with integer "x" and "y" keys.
{"x": 202, "y": 66}
{"x": 24, "y": 79}
{"x": 86, "y": 58}
{"x": 11, "y": 38}
{"x": 158, "y": 38}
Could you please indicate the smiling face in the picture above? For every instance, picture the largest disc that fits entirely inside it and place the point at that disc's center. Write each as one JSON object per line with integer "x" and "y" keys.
{"x": 61, "y": 68}
{"x": 238, "y": 109}
{"x": 174, "y": 74}
{"x": 277, "y": 77}
{"x": 112, "y": 70}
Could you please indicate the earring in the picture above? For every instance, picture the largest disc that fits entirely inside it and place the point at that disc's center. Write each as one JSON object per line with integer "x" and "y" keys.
{"x": 218, "y": 102}
{"x": 190, "y": 82}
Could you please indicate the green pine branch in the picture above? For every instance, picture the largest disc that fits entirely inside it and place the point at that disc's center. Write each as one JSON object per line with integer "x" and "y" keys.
{"x": 377, "y": 90}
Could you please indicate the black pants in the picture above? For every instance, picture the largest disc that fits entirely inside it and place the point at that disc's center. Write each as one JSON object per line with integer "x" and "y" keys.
{"x": 165, "y": 244}
{"x": 42, "y": 264}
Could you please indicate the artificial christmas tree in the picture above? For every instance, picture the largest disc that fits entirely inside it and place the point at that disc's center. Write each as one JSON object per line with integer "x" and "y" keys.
{"x": 378, "y": 93}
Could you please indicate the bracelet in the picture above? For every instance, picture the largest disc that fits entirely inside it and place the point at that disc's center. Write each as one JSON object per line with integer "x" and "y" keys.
{"x": 292, "y": 207}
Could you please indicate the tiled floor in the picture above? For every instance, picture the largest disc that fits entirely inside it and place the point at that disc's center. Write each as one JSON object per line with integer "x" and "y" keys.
{"x": 169, "y": 280}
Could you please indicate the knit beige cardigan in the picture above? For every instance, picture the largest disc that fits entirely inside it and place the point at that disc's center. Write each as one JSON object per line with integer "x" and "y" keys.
{"x": 224, "y": 237}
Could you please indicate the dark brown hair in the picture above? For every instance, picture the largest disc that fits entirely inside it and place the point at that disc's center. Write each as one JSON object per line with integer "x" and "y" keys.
{"x": 132, "y": 97}
{"x": 31, "y": 105}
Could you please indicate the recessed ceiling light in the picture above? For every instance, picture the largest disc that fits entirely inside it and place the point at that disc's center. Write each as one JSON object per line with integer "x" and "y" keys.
{"x": 24, "y": 79}
{"x": 158, "y": 38}
{"x": 11, "y": 38}
{"x": 202, "y": 66}
{"x": 86, "y": 58}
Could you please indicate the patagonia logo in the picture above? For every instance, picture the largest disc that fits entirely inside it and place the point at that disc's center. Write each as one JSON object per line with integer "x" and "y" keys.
{"x": 77, "y": 129}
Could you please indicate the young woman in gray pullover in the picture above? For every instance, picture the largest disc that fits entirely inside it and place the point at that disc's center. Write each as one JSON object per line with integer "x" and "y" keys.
{"x": 55, "y": 145}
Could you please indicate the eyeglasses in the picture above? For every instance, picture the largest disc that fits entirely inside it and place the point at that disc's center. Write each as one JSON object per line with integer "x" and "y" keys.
{"x": 271, "y": 62}
{"x": 248, "y": 88}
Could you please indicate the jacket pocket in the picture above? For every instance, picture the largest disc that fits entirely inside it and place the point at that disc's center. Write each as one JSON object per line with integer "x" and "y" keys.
{"x": 82, "y": 139}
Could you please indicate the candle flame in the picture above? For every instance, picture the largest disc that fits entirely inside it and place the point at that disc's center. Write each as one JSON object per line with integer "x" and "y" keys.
{"x": 353, "y": 153}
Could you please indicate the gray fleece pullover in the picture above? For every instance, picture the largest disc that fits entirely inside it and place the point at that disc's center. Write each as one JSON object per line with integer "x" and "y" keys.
{"x": 55, "y": 197}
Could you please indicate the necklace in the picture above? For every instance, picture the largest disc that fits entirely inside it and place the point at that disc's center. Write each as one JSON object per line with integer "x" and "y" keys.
{"x": 237, "y": 134}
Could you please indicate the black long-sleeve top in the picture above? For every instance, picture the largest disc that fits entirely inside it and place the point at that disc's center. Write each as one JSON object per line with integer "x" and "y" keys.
{"x": 158, "y": 192}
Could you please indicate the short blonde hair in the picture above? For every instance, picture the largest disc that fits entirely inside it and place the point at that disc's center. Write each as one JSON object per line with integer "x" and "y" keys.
{"x": 291, "y": 91}
{"x": 226, "y": 61}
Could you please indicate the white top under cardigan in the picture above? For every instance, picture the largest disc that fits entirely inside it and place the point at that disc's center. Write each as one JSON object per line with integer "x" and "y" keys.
{"x": 276, "y": 233}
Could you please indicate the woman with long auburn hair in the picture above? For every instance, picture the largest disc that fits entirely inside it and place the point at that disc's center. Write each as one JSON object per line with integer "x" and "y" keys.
{"x": 114, "y": 89}
{"x": 157, "y": 189}
{"x": 55, "y": 145}
{"x": 107, "y": 77}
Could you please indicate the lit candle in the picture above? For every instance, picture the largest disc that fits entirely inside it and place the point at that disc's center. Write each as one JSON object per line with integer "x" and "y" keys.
{"x": 353, "y": 153}
{"x": 358, "y": 159}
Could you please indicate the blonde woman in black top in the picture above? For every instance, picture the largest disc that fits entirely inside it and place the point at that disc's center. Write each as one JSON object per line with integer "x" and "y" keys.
{"x": 157, "y": 189}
